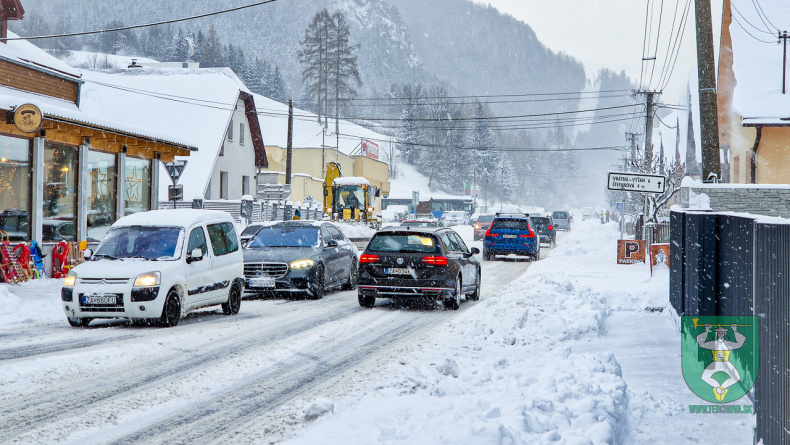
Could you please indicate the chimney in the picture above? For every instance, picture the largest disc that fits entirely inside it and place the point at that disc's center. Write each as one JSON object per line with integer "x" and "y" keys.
{"x": 9, "y": 10}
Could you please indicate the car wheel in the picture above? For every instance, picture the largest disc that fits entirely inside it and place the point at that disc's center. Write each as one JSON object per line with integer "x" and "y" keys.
{"x": 353, "y": 276}
{"x": 537, "y": 255}
{"x": 234, "y": 301}
{"x": 454, "y": 302}
{"x": 171, "y": 311}
{"x": 474, "y": 296}
{"x": 319, "y": 285}
{"x": 79, "y": 322}
{"x": 366, "y": 301}
{"x": 486, "y": 256}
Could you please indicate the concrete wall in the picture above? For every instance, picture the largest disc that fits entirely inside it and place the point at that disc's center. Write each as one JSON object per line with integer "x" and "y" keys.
{"x": 759, "y": 199}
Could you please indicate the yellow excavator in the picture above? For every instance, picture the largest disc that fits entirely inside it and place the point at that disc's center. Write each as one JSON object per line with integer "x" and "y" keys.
{"x": 349, "y": 198}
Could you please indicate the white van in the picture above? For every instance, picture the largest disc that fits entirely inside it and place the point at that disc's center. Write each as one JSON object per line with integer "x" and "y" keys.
{"x": 158, "y": 265}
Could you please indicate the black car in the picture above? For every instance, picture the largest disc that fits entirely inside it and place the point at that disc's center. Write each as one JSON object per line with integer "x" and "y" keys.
{"x": 418, "y": 262}
{"x": 300, "y": 256}
{"x": 547, "y": 232}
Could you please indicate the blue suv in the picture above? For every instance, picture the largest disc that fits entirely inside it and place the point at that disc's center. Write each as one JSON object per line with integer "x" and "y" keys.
{"x": 511, "y": 234}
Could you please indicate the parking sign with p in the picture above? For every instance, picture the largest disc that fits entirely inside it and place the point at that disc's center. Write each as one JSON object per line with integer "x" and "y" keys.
{"x": 630, "y": 251}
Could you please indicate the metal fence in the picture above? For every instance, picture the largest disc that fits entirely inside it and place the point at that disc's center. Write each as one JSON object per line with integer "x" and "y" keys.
{"x": 655, "y": 233}
{"x": 723, "y": 264}
{"x": 261, "y": 210}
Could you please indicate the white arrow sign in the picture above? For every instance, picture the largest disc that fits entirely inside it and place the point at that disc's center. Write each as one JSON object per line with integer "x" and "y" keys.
{"x": 634, "y": 182}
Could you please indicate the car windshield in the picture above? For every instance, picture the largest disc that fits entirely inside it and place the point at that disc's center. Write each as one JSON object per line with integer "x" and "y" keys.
{"x": 285, "y": 237}
{"x": 403, "y": 243}
{"x": 141, "y": 242}
{"x": 485, "y": 218}
{"x": 560, "y": 215}
{"x": 509, "y": 224}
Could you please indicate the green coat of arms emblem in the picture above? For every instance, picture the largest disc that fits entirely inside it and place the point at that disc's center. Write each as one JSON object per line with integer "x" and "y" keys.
{"x": 720, "y": 356}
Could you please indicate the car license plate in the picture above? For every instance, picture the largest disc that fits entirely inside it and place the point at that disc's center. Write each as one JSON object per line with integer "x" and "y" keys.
{"x": 98, "y": 299}
{"x": 397, "y": 271}
{"x": 264, "y": 282}
{"x": 509, "y": 236}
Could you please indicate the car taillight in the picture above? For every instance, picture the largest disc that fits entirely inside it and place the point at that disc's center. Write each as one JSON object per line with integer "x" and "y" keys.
{"x": 531, "y": 235}
{"x": 368, "y": 258}
{"x": 551, "y": 227}
{"x": 435, "y": 260}
{"x": 488, "y": 232}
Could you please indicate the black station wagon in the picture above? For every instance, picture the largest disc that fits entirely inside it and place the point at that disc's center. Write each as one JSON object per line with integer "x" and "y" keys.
{"x": 421, "y": 263}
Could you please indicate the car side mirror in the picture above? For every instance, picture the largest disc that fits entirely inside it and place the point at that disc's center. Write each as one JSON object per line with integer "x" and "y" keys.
{"x": 195, "y": 255}
{"x": 87, "y": 254}
{"x": 331, "y": 243}
{"x": 474, "y": 250}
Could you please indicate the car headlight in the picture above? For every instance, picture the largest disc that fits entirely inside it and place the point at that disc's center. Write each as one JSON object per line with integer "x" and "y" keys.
{"x": 70, "y": 279}
{"x": 302, "y": 264}
{"x": 147, "y": 279}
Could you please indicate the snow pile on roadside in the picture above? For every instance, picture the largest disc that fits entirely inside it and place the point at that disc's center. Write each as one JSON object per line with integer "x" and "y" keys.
{"x": 33, "y": 302}
{"x": 355, "y": 230}
{"x": 501, "y": 372}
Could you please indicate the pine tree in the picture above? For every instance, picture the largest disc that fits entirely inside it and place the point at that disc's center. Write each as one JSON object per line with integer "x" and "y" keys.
{"x": 343, "y": 71}
{"x": 211, "y": 53}
{"x": 279, "y": 89}
{"x": 251, "y": 76}
{"x": 313, "y": 57}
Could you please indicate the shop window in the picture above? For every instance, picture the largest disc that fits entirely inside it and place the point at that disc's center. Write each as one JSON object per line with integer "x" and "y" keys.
{"x": 60, "y": 192}
{"x": 101, "y": 193}
{"x": 15, "y": 187}
{"x": 137, "y": 185}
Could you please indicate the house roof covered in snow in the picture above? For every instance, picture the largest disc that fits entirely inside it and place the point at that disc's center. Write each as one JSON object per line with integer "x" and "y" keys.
{"x": 308, "y": 132}
{"x": 22, "y": 52}
{"x": 757, "y": 61}
{"x": 196, "y": 104}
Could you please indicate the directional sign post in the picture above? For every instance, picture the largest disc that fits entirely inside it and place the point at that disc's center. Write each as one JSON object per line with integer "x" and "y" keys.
{"x": 633, "y": 182}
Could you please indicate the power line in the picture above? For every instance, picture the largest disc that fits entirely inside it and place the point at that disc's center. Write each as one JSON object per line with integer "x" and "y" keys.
{"x": 762, "y": 14}
{"x": 743, "y": 17}
{"x": 735, "y": 19}
{"x": 676, "y": 47}
{"x": 396, "y": 98}
{"x": 124, "y": 28}
{"x": 421, "y": 102}
{"x": 658, "y": 39}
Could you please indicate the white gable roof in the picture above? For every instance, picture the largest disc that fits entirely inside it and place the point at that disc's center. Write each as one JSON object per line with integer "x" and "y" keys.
{"x": 195, "y": 104}
{"x": 308, "y": 133}
{"x": 757, "y": 61}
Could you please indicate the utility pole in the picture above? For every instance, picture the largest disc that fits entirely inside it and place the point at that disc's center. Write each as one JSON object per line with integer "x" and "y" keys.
{"x": 783, "y": 36}
{"x": 649, "y": 103}
{"x": 289, "y": 149}
{"x": 706, "y": 70}
{"x": 632, "y": 137}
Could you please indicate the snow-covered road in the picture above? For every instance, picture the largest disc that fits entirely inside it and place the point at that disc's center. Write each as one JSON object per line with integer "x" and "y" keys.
{"x": 210, "y": 379}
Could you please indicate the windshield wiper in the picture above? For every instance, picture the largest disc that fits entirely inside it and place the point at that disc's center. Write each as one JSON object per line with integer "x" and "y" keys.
{"x": 140, "y": 257}
{"x": 104, "y": 255}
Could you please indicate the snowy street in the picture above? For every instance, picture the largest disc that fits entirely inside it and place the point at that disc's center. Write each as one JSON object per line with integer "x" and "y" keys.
{"x": 564, "y": 353}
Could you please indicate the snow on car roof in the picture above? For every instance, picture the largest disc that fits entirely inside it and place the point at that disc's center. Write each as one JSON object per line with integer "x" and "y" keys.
{"x": 174, "y": 218}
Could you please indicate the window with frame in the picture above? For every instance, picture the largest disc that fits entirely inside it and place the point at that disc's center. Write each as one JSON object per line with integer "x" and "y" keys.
{"x": 241, "y": 134}
{"x": 137, "y": 185}
{"x": 197, "y": 240}
{"x": 223, "y": 185}
{"x": 230, "y": 130}
{"x": 15, "y": 187}
{"x": 223, "y": 238}
{"x": 60, "y": 192}
{"x": 245, "y": 185}
{"x": 102, "y": 175}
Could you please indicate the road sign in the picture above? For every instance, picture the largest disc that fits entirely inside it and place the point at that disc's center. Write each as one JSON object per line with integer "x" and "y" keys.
{"x": 174, "y": 169}
{"x": 475, "y": 191}
{"x": 175, "y": 192}
{"x": 274, "y": 191}
{"x": 633, "y": 182}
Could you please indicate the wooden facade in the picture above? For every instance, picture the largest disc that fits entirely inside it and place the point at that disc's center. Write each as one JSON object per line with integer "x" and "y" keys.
{"x": 39, "y": 82}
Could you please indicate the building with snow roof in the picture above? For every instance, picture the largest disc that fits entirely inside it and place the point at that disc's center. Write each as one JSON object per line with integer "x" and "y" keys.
{"x": 68, "y": 169}
{"x": 354, "y": 148}
{"x": 754, "y": 109}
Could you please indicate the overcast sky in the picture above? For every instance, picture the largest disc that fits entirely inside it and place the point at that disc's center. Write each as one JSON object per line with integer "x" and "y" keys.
{"x": 610, "y": 33}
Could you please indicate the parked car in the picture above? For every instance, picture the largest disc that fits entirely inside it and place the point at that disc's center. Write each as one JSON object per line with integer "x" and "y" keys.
{"x": 511, "y": 234}
{"x": 420, "y": 223}
{"x": 418, "y": 263}
{"x": 454, "y": 218}
{"x": 544, "y": 226}
{"x": 158, "y": 265}
{"x": 308, "y": 257}
{"x": 590, "y": 213}
{"x": 562, "y": 219}
{"x": 481, "y": 224}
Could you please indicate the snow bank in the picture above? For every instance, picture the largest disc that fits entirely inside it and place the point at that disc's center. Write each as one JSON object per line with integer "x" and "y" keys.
{"x": 502, "y": 371}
